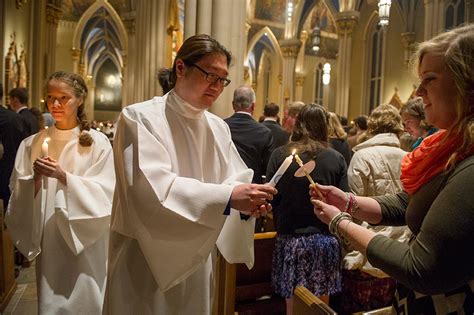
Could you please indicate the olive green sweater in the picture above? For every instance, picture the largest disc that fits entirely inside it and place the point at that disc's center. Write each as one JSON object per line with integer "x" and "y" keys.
{"x": 441, "y": 215}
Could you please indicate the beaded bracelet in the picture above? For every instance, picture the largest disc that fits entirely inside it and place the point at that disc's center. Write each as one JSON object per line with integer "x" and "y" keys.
{"x": 351, "y": 206}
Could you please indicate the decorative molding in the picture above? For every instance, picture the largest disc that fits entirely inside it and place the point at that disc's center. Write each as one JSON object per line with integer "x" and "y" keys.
{"x": 299, "y": 80}
{"x": 76, "y": 54}
{"x": 290, "y": 47}
{"x": 53, "y": 14}
{"x": 346, "y": 22}
{"x": 20, "y": 3}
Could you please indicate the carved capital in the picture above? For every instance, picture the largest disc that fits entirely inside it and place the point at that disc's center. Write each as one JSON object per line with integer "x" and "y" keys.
{"x": 76, "y": 54}
{"x": 408, "y": 39}
{"x": 129, "y": 21}
{"x": 53, "y": 14}
{"x": 299, "y": 79}
{"x": 290, "y": 47}
{"x": 304, "y": 36}
{"x": 346, "y": 22}
{"x": 247, "y": 27}
{"x": 246, "y": 73}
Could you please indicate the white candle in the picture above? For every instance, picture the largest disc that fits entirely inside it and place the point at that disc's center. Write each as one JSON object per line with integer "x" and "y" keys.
{"x": 281, "y": 170}
{"x": 44, "y": 148}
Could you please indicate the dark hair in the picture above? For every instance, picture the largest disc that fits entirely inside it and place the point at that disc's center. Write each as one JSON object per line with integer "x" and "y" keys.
{"x": 342, "y": 120}
{"x": 271, "y": 110}
{"x": 164, "y": 75}
{"x": 414, "y": 107}
{"x": 311, "y": 129}
{"x": 194, "y": 49}
{"x": 39, "y": 116}
{"x": 77, "y": 83}
{"x": 21, "y": 94}
{"x": 1, "y": 90}
{"x": 361, "y": 121}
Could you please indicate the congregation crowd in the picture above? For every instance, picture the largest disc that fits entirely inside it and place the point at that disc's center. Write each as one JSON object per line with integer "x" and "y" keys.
{"x": 135, "y": 228}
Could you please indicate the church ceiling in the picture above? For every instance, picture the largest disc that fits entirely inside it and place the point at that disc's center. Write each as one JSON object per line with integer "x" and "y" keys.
{"x": 73, "y": 9}
{"x": 270, "y": 10}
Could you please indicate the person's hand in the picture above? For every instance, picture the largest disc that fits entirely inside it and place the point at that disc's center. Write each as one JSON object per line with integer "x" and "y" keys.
{"x": 324, "y": 211}
{"x": 331, "y": 195}
{"x": 252, "y": 199}
{"x": 50, "y": 168}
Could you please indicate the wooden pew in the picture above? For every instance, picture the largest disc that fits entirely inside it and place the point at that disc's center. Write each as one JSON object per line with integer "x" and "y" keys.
{"x": 246, "y": 291}
{"x": 7, "y": 269}
{"x": 306, "y": 303}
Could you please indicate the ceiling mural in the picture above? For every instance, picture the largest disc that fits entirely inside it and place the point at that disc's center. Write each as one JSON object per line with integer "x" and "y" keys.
{"x": 271, "y": 10}
{"x": 73, "y": 9}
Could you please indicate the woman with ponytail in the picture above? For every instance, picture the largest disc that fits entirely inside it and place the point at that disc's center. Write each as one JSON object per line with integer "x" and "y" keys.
{"x": 59, "y": 211}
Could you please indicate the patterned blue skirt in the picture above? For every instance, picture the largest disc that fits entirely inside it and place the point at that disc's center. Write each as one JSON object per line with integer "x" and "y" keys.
{"x": 310, "y": 260}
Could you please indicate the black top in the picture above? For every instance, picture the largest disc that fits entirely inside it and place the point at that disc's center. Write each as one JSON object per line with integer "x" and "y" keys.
{"x": 292, "y": 208}
{"x": 280, "y": 136}
{"x": 30, "y": 122}
{"x": 342, "y": 147}
{"x": 254, "y": 142}
{"x": 11, "y": 135}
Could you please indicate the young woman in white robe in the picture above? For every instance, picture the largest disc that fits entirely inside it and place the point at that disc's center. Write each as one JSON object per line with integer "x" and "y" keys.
{"x": 177, "y": 174}
{"x": 59, "y": 210}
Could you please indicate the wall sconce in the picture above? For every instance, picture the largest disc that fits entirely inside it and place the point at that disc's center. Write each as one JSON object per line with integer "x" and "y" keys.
{"x": 316, "y": 40}
{"x": 384, "y": 12}
{"x": 289, "y": 10}
{"x": 326, "y": 73}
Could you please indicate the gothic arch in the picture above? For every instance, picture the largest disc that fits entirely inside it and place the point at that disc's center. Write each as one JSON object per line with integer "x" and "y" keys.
{"x": 121, "y": 31}
{"x": 265, "y": 32}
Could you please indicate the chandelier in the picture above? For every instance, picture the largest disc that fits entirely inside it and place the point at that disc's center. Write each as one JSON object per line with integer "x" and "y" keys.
{"x": 384, "y": 12}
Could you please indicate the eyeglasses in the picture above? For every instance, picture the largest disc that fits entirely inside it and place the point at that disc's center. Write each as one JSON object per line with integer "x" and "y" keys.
{"x": 212, "y": 77}
{"x": 61, "y": 100}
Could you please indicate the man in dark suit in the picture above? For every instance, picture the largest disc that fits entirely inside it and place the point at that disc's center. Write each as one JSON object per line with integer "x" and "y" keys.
{"x": 19, "y": 104}
{"x": 280, "y": 136}
{"x": 253, "y": 140}
{"x": 11, "y": 134}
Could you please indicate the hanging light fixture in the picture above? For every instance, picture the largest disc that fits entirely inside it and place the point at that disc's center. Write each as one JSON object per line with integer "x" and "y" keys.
{"x": 384, "y": 11}
{"x": 316, "y": 40}
{"x": 326, "y": 73}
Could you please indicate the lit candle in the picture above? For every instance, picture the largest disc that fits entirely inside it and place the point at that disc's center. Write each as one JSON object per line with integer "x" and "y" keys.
{"x": 44, "y": 148}
{"x": 281, "y": 170}
{"x": 313, "y": 184}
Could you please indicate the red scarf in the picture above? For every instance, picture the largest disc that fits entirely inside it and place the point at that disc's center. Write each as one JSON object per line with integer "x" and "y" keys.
{"x": 428, "y": 160}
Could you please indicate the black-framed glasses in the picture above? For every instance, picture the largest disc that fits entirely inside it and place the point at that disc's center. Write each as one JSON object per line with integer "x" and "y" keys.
{"x": 212, "y": 77}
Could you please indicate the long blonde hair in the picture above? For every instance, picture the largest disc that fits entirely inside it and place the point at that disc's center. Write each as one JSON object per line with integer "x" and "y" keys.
{"x": 457, "y": 49}
{"x": 335, "y": 127}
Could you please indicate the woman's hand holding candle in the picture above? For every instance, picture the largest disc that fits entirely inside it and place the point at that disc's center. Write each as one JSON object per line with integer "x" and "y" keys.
{"x": 313, "y": 184}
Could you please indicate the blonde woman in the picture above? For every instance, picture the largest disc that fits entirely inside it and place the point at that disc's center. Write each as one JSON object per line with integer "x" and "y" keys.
{"x": 435, "y": 271}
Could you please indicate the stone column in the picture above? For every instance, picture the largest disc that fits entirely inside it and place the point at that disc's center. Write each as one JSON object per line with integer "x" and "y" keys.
{"x": 205, "y": 17}
{"x": 150, "y": 56}
{"x": 130, "y": 95}
{"x": 76, "y": 57}
{"x": 228, "y": 27}
{"x": 37, "y": 70}
{"x": 53, "y": 14}
{"x": 299, "y": 80}
{"x": 408, "y": 41}
{"x": 289, "y": 49}
{"x": 190, "y": 10}
{"x": 345, "y": 22}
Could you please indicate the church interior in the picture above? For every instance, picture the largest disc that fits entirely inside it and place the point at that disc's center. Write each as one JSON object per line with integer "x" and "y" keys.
{"x": 348, "y": 55}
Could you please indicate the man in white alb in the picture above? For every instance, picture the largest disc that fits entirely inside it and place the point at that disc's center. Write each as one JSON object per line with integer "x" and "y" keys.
{"x": 180, "y": 181}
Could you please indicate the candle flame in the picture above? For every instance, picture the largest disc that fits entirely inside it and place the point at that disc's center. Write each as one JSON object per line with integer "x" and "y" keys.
{"x": 47, "y": 139}
{"x": 294, "y": 151}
